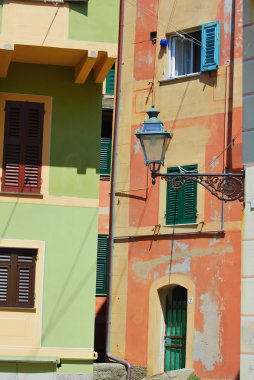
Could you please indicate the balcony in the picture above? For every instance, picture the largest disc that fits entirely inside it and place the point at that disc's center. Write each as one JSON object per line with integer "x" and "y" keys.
{"x": 39, "y": 33}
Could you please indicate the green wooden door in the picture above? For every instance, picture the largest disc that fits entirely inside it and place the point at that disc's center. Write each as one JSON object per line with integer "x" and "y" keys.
{"x": 175, "y": 337}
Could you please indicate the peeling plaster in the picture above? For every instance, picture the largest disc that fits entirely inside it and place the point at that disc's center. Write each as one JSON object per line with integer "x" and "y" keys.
{"x": 215, "y": 214}
{"x": 214, "y": 241}
{"x": 137, "y": 146}
{"x": 227, "y": 12}
{"x": 149, "y": 58}
{"x": 222, "y": 249}
{"x": 182, "y": 267}
{"x": 141, "y": 269}
{"x": 103, "y": 210}
{"x": 181, "y": 246}
{"x": 214, "y": 162}
{"x": 207, "y": 343}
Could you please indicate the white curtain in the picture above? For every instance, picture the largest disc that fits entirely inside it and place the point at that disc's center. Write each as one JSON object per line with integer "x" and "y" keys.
{"x": 183, "y": 57}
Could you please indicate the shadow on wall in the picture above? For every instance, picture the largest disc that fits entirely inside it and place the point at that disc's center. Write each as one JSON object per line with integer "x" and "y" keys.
{"x": 76, "y": 112}
{"x": 37, "y": 368}
{"x": 80, "y": 8}
{"x": 100, "y": 333}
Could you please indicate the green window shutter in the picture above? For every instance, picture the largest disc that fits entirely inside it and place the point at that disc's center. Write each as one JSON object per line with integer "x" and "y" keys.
{"x": 102, "y": 265}
{"x": 181, "y": 205}
{"x": 110, "y": 81}
{"x": 173, "y": 197}
{"x": 210, "y": 50}
{"x": 105, "y": 155}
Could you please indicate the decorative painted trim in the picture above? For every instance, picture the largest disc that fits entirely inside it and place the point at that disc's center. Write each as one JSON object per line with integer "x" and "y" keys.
{"x": 47, "y": 101}
{"x": 50, "y": 200}
{"x": 57, "y": 352}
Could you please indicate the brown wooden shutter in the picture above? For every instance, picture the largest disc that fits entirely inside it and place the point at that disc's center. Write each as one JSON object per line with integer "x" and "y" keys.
{"x": 32, "y": 148}
{"x": 14, "y": 115}
{"x": 22, "y": 147}
{"x": 5, "y": 272}
{"x": 25, "y": 280}
{"x": 17, "y": 277}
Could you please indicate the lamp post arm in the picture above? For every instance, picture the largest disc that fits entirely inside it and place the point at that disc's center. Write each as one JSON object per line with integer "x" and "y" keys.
{"x": 227, "y": 187}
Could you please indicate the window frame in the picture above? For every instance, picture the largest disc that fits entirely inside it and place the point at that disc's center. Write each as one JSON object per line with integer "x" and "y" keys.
{"x": 45, "y": 163}
{"x": 172, "y": 53}
{"x": 28, "y": 144}
{"x": 209, "y": 50}
{"x": 14, "y": 272}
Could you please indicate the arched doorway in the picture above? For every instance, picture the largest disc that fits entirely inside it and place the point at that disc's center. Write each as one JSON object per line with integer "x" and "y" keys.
{"x": 160, "y": 289}
{"x": 175, "y": 328}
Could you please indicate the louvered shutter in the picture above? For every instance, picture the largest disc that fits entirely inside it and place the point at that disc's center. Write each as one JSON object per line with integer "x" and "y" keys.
{"x": 5, "y": 281}
{"x": 172, "y": 213}
{"x": 190, "y": 201}
{"x": 17, "y": 277}
{"x": 105, "y": 155}
{"x": 210, "y": 50}
{"x": 181, "y": 204}
{"x": 102, "y": 265}
{"x": 22, "y": 147}
{"x": 32, "y": 148}
{"x": 14, "y": 119}
{"x": 110, "y": 81}
{"x": 25, "y": 280}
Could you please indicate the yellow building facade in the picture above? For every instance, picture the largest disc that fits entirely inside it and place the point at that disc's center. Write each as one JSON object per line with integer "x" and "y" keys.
{"x": 160, "y": 255}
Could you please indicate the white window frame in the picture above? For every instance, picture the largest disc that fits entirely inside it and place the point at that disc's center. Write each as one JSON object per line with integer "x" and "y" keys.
{"x": 171, "y": 56}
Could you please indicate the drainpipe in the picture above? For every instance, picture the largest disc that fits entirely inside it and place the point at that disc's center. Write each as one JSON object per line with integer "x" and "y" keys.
{"x": 113, "y": 190}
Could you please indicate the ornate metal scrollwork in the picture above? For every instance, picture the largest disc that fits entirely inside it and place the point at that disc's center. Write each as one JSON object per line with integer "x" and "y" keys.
{"x": 227, "y": 187}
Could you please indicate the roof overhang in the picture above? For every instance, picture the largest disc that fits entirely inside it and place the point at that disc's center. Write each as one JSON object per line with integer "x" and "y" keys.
{"x": 84, "y": 57}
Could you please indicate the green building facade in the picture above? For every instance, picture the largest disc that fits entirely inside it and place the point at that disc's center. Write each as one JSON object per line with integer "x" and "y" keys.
{"x": 53, "y": 61}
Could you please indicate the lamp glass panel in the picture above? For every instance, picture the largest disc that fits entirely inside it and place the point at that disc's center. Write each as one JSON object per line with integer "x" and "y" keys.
{"x": 154, "y": 147}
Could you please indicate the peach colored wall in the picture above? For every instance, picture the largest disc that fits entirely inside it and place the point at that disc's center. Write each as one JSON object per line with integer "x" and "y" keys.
{"x": 197, "y": 110}
{"x": 104, "y": 206}
{"x": 210, "y": 263}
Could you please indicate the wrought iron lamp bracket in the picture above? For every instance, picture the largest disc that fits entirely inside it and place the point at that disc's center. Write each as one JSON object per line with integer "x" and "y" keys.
{"x": 227, "y": 187}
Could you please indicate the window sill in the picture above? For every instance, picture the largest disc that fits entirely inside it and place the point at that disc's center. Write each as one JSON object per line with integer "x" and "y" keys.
{"x": 179, "y": 78}
{"x": 181, "y": 225}
{"x": 21, "y": 195}
{"x": 16, "y": 309}
{"x": 105, "y": 177}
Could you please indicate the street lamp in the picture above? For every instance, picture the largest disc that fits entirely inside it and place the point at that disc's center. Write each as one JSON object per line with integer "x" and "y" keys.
{"x": 154, "y": 140}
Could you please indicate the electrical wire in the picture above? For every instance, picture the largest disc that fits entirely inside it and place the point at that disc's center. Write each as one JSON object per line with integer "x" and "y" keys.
{"x": 226, "y": 148}
{"x": 148, "y": 12}
{"x": 194, "y": 40}
{"x": 57, "y": 5}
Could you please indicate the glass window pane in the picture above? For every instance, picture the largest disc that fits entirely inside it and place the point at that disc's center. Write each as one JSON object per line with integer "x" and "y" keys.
{"x": 183, "y": 57}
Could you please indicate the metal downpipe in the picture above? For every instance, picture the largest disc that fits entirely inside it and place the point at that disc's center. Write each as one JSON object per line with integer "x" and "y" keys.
{"x": 112, "y": 192}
